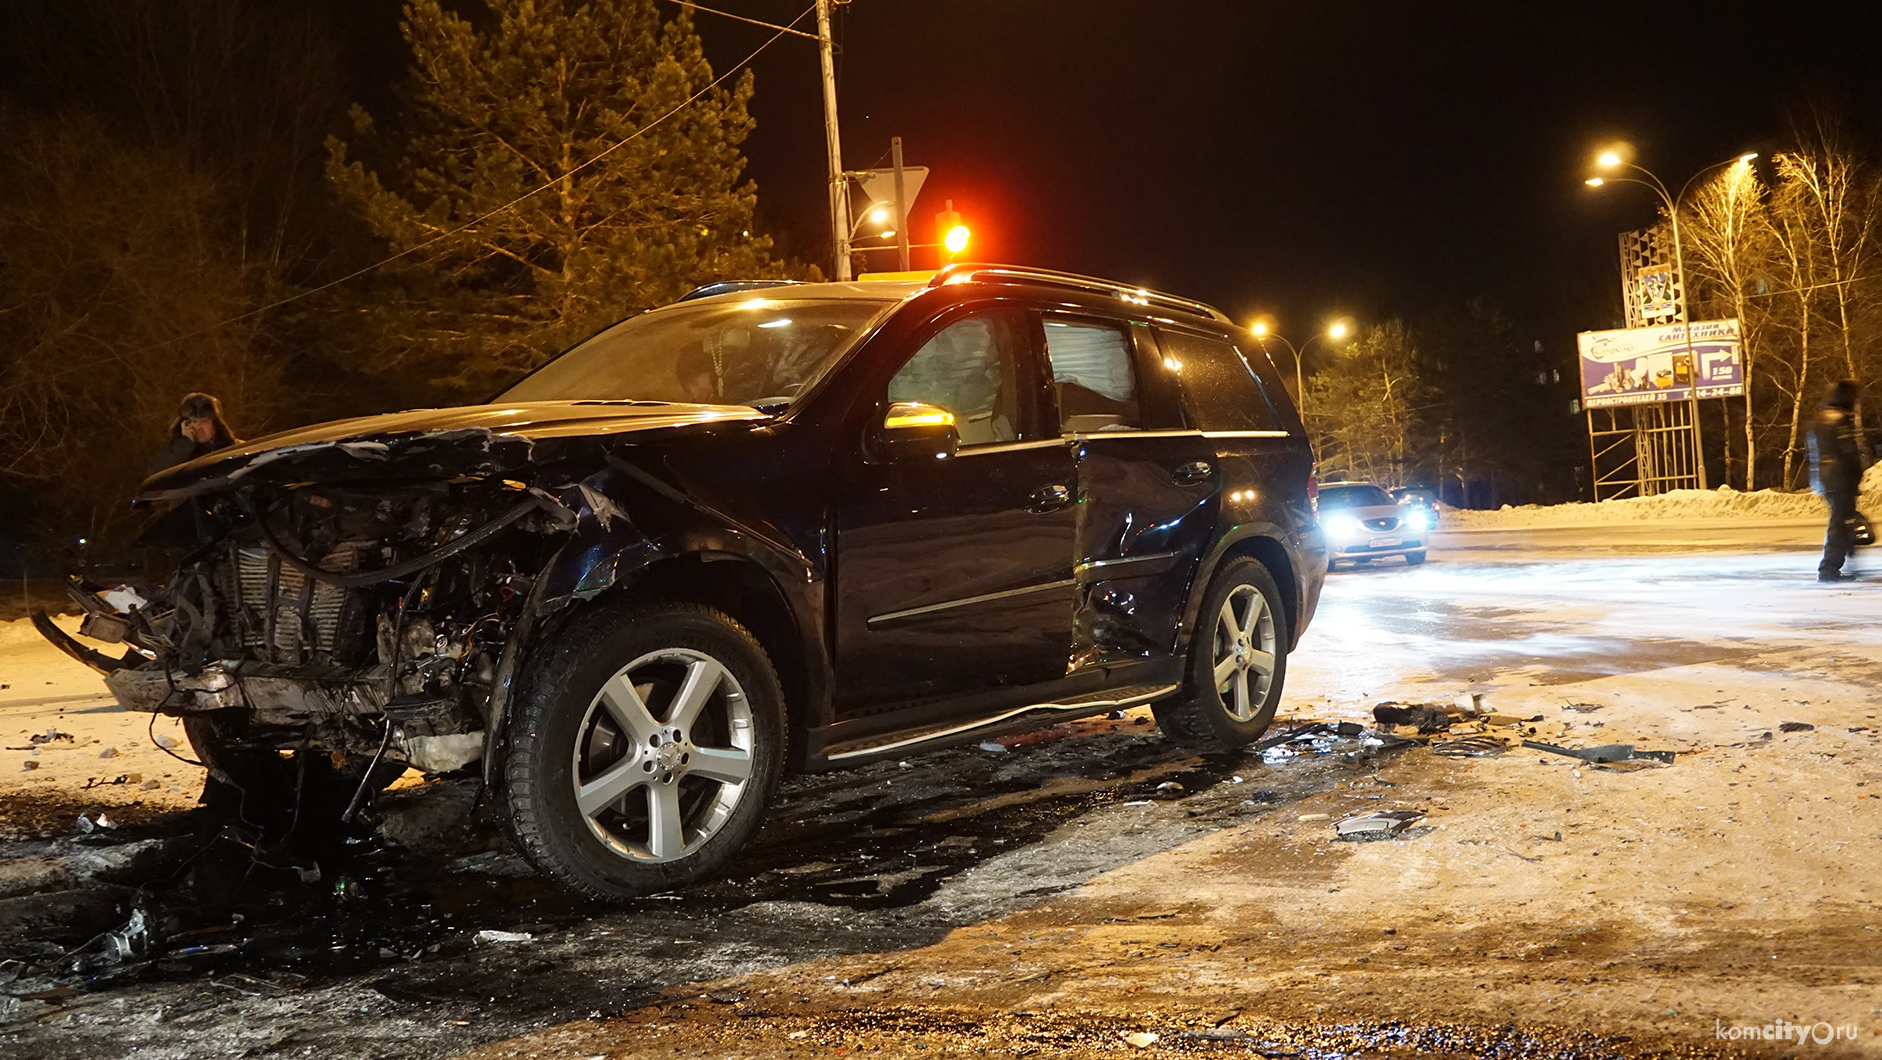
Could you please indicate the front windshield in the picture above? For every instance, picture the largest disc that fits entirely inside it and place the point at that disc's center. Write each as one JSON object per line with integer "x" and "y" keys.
{"x": 1352, "y": 497}
{"x": 757, "y": 351}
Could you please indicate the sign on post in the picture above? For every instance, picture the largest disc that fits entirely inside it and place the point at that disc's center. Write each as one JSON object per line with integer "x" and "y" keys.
{"x": 1643, "y": 366}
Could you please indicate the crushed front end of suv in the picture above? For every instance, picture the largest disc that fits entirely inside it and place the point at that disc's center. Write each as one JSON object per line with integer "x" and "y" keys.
{"x": 767, "y": 528}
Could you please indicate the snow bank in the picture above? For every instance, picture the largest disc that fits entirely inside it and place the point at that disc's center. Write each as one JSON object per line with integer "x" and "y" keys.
{"x": 1672, "y": 506}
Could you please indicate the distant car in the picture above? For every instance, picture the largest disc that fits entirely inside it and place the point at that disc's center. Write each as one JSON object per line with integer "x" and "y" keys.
{"x": 1422, "y": 499}
{"x": 1362, "y": 522}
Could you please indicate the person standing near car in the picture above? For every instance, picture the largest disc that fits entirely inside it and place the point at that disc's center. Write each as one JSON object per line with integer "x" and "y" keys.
{"x": 199, "y": 429}
{"x": 1836, "y": 466}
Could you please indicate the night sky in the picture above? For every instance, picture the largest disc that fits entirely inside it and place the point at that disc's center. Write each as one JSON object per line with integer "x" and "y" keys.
{"x": 1299, "y": 159}
{"x": 1293, "y": 159}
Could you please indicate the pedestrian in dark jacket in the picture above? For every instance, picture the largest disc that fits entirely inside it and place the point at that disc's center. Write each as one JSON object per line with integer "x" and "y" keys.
{"x": 199, "y": 429}
{"x": 1836, "y": 466}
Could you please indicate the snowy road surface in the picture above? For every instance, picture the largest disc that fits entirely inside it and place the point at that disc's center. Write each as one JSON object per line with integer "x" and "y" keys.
{"x": 1099, "y": 875}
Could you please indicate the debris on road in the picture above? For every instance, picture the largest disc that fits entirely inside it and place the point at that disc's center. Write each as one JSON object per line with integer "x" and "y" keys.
{"x": 1425, "y": 717}
{"x": 495, "y": 937}
{"x": 1348, "y": 739}
{"x": 1612, "y": 752}
{"x": 1141, "y": 1039}
{"x": 1788, "y": 726}
{"x": 1479, "y": 745}
{"x": 1378, "y": 825}
{"x": 992, "y": 746}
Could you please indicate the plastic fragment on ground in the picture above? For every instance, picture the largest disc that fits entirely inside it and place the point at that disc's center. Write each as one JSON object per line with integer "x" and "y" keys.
{"x": 1383, "y": 823}
{"x": 495, "y": 937}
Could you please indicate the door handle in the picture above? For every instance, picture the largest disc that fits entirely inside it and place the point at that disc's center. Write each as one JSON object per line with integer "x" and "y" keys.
{"x": 1049, "y": 498}
{"x": 1192, "y": 473}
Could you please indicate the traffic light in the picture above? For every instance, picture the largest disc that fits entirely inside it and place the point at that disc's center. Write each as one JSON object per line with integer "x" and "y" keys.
{"x": 950, "y": 232}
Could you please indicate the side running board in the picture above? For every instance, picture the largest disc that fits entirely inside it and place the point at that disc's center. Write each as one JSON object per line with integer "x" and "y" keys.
{"x": 1098, "y": 702}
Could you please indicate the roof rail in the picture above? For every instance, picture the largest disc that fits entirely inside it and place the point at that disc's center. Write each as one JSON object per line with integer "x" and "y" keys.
{"x": 967, "y": 273}
{"x": 733, "y": 287}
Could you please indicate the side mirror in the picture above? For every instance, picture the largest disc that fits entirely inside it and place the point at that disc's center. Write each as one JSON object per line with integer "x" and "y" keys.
{"x": 913, "y": 431}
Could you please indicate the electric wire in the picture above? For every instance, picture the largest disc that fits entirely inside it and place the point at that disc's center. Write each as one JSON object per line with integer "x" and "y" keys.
{"x": 480, "y": 219}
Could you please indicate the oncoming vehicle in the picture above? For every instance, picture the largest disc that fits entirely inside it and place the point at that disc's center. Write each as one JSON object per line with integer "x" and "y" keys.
{"x": 1363, "y": 523}
{"x": 766, "y": 528}
{"x": 1425, "y": 503}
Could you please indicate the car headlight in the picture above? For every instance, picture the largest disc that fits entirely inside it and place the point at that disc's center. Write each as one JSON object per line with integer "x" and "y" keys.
{"x": 1341, "y": 527}
{"x": 1418, "y": 519}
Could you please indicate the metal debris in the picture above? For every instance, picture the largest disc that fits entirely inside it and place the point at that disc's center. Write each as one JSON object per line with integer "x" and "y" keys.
{"x": 1481, "y": 745}
{"x": 1378, "y": 825}
{"x": 489, "y": 935}
{"x": 1612, "y": 752}
{"x": 1788, "y": 726}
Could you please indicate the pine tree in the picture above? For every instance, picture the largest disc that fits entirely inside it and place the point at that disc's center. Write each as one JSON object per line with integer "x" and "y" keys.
{"x": 524, "y": 99}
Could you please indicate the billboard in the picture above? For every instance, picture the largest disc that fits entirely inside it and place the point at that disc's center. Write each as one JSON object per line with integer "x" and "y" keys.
{"x": 1643, "y": 366}
{"x": 1657, "y": 293}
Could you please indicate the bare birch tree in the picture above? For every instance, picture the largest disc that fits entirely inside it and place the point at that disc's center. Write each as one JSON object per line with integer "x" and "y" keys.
{"x": 1728, "y": 245}
{"x": 1840, "y": 199}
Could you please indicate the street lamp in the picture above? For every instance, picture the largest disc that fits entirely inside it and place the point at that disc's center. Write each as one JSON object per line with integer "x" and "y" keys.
{"x": 1613, "y": 160}
{"x": 1335, "y": 332}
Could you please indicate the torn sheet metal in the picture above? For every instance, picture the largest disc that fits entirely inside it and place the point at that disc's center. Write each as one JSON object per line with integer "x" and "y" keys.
{"x": 1612, "y": 752}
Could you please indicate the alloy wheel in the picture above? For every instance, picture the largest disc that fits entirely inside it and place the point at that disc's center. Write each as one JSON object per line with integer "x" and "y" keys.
{"x": 663, "y": 755}
{"x": 1244, "y": 652}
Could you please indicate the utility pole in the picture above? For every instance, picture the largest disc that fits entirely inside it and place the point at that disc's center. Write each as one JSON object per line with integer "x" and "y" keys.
{"x": 901, "y": 203}
{"x": 839, "y": 182}
{"x": 1692, "y": 363}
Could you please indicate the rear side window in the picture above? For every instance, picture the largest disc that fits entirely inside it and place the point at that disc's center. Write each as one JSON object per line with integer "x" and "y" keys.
{"x": 1091, "y": 371}
{"x": 1219, "y": 391}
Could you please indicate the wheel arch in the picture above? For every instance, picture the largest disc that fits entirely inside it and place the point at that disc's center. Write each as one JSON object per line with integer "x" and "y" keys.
{"x": 1264, "y": 549}
{"x": 749, "y": 593}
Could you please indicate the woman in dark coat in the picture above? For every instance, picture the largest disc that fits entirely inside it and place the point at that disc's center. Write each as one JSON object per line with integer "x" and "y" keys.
{"x": 199, "y": 429}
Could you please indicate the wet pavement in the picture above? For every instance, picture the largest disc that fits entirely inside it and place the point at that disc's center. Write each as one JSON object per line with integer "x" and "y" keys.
{"x": 449, "y": 939}
{"x": 428, "y": 938}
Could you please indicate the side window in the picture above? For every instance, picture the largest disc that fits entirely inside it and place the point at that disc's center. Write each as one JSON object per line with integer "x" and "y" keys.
{"x": 1091, "y": 371}
{"x": 1219, "y": 390}
{"x": 969, "y": 369}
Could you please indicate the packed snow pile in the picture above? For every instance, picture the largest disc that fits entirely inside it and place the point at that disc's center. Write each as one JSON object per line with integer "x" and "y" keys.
{"x": 1671, "y": 506}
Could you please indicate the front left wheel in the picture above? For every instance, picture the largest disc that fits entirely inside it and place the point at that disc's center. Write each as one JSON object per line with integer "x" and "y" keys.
{"x": 645, "y": 750}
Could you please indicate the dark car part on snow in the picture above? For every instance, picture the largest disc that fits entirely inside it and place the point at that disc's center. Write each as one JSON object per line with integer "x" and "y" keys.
{"x": 1612, "y": 752}
{"x": 796, "y": 526}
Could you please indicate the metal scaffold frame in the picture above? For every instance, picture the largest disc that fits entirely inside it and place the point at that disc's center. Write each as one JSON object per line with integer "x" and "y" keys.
{"x": 1641, "y": 450}
{"x": 1645, "y": 450}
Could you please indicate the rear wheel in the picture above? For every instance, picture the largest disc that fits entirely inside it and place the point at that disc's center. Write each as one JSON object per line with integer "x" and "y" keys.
{"x": 646, "y": 749}
{"x": 1237, "y": 662}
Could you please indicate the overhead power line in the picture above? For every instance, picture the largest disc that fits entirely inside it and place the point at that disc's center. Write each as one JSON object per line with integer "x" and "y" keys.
{"x": 752, "y": 21}
{"x": 481, "y": 218}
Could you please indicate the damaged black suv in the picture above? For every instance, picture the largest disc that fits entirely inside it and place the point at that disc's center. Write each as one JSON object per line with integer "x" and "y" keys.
{"x": 768, "y": 527}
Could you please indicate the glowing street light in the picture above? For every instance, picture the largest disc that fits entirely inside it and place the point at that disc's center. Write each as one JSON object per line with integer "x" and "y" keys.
{"x": 1613, "y": 160}
{"x": 1335, "y": 332}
